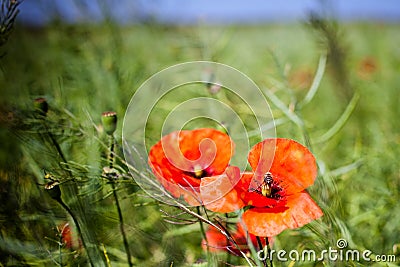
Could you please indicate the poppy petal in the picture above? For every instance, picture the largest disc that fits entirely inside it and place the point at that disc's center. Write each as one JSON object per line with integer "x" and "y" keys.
{"x": 176, "y": 157}
{"x": 262, "y": 155}
{"x": 208, "y": 148}
{"x": 192, "y": 197}
{"x": 217, "y": 242}
{"x": 269, "y": 222}
{"x": 302, "y": 210}
{"x": 218, "y": 193}
{"x": 257, "y": 200}
{"x": 293, "y": 164}
{"x": 243, "y": 183}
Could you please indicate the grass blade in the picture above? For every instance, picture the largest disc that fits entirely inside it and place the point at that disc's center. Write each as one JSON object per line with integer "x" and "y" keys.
{"x": 317, "y": 80}
{"x": 341, "y": 121}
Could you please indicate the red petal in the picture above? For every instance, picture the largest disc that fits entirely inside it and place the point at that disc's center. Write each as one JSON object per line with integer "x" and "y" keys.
{"x": 178, "y": 154}
{"x": 66, "y": 235}
{"x": 243, "y": 184}
{"x": 208, "y": 148}
{"x": 242, "y": 234}
{"x": 193, "y": 198}
{"x": 69, "y": 237}
{"x": 257, "y": 200}
{"x": 262, "y": 155}
{"x": 301, "y": 210}
{"x": 218, "y": 242}
{"x": 189, "y": 194}
{"x": 292, "y": 163}
{"x": 218, "y": 193}
{"x": 252, "y": 198}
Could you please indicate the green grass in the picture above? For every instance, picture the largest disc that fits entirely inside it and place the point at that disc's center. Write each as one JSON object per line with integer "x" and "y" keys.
{"x": 83, "y": 70}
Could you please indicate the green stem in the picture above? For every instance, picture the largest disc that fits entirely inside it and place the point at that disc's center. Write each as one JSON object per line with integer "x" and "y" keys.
{"x": 228, "y": 255}
{"x": 203, "y": 232}
{"x": 58, "y": 148}
{"x": 78, "y": 228}
{"x": 111, "y": 155}
{"x": 269, "y": 251}
{"x": 341, "y": 121}
{"x": 120, "y": 217}
{"x": 121, "y": 226}
{"x": 60, "y": 246}
{"x": 72, "y": 191}
{"x": 261, "y": 247}
{"x": 205, "y": 220}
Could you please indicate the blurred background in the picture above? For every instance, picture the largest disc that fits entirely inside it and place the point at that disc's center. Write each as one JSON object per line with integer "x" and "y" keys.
{"x": 329, "y": 69}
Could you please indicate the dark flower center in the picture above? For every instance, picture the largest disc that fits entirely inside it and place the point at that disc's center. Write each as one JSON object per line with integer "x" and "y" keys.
{"x": 198, "y": 172}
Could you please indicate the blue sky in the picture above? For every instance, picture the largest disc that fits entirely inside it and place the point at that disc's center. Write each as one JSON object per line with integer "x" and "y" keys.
{"x": 205, "y": 11}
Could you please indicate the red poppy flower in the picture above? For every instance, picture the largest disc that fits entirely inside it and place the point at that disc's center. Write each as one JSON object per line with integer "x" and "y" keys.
{"x": 275, "y": 191}
{"x": 182, "y": 158}
{"x": 68, "y": 237}
{"x": 217, "y": 242}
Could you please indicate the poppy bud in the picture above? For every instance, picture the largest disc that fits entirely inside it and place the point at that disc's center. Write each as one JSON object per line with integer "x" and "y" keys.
{"x": 53, "y": 189}
{"x": 41, "y": 106}
{"x": 109, "y": 120}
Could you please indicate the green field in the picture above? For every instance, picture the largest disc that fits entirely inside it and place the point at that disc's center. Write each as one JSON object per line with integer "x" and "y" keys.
{"x": 351, "y": 125}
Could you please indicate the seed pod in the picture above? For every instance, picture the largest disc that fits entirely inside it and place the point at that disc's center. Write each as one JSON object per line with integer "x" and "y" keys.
{"x": 109, "y": 120}
{"x": 41, "y": 106}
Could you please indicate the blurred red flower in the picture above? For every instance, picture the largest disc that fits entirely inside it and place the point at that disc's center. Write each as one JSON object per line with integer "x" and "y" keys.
{"x": 68, "y": 237}
{"x": 182, "y": 158}
{"x": 218, "y": 242}
{"x": 367, "y": 67}
{"x": 274, "y": 192}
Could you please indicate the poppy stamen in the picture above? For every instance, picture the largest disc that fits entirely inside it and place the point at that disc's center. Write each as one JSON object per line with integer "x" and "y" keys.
{"x": 198, "y": 172}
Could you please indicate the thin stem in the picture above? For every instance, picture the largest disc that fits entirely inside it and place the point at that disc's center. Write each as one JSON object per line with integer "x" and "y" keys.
{"x": 203, "y": 233}
{"x": 121, "y": 226}
{"x": 121, "y": 219}
{"x": 78, "y": 228}
{"x": 58, "y": 148}
{"x": 341, "y": 121}
{"x": 106, "y": 256}
{"x": 90, "y": 252}
{"x": 60, "y": 246}
{"x": 316, "y": 82}
{"x": 261, "y": 247}
{"x": 281, "y": 106}
{"x": 228, "y": 255}
{"x": 198, "y": 216}
{"x": 269, "y": 251}
{"x": 111, "y": 155}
